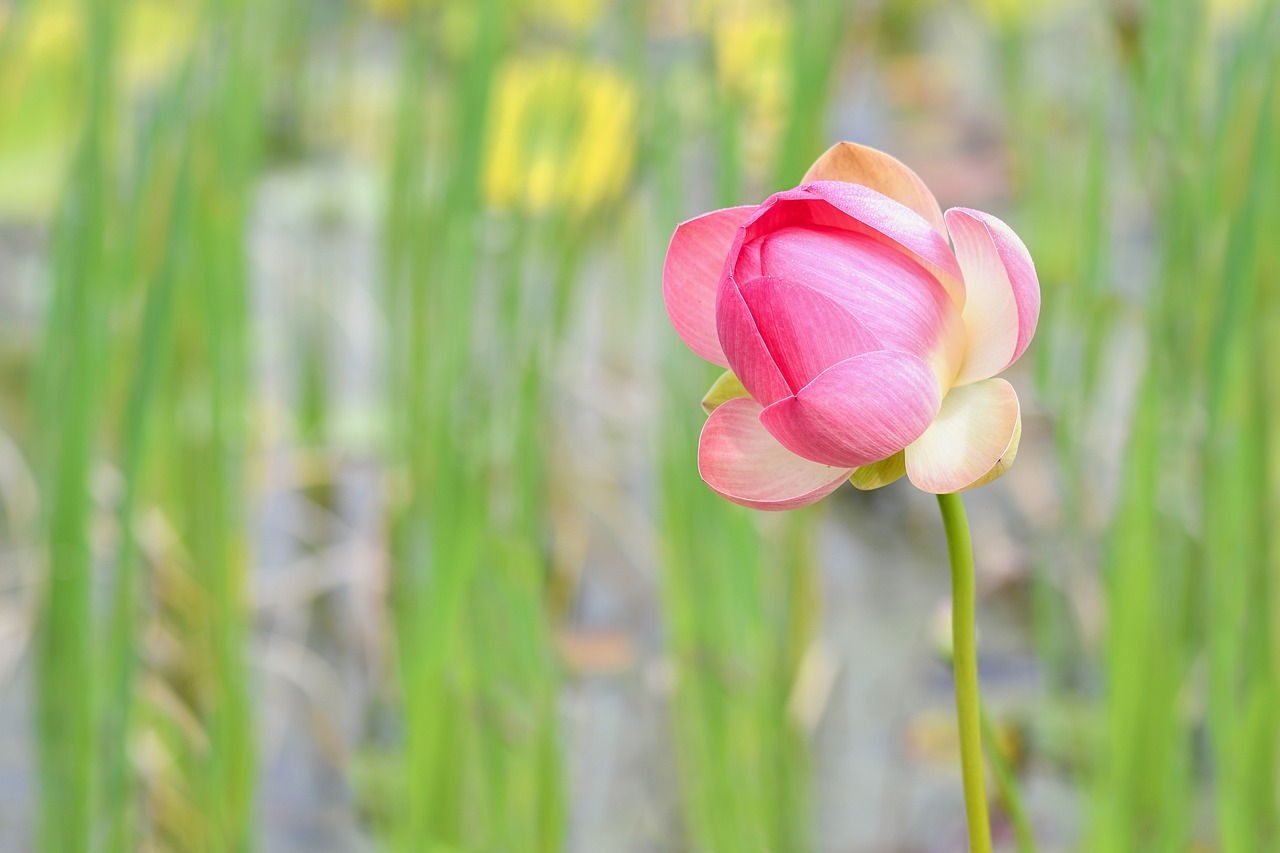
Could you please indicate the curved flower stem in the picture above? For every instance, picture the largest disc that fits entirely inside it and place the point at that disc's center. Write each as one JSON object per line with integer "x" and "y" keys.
{"x": 960, "y": 550}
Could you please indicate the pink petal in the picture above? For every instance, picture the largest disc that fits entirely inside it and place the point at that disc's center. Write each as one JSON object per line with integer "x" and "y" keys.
{"x": 898, "y": 302}
{"x": 972, "y": 434}
{"x": 859, "y": 164}
{"x": 1003, "y": 301}
{"x": 745, "y": 349}
{"x": 805, "y": 331}
{"x": 859, "y": 411}
{"x": 862, "y": 210}
{"x": 742, "y": 462}
{"x": 691, "y": 276}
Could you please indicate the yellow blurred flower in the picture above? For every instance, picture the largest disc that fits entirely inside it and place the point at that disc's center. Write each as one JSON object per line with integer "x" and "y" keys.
{"x": 155, "y": 34}
{"x": 1226, "y": 14}
{"x": 51, "y": 33}
{"x": 42, "y": 85}
{"x": 575, "y": 15}
{"x": 752, "y": 44}
{"x": 560, "y": 137}
{"x": 1016, "y": 13}
{"x": 753, "y": 56}
{"x": 158, "y": 33}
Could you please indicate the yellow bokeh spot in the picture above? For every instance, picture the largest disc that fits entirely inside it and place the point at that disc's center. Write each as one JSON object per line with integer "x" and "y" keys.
{"x": 158, "y": 34}
{"x": 1017, "y": 13}
{"x": 1226, "y": 14}
{"x": 560, "y": 135}
{"x": 752, "y": 43}
{"x": 43, "y": 85}
{"x": 753, "y": 57}
{"x": 575, "y": 15}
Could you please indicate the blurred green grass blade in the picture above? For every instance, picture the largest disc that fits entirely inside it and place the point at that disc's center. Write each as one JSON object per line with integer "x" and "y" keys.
{"x": 817, "y": 35}
{"x": 1242, "y": 683}
{"x": 1145, "y": 779}
{"x": 68, "y": 386}
{"x": 481, "y": 756}
{"x": 119, "y": 791}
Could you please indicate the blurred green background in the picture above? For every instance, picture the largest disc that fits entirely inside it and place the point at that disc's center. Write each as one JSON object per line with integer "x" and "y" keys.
{"x": 347, "y": 485}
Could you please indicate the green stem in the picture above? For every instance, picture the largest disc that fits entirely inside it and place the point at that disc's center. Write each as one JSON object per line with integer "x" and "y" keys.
{"x": 966, "y": 668}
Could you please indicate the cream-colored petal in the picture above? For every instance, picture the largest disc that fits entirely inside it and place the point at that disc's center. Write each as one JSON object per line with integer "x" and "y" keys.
{"x": 1006, "y": 461}
{"x": 975, "y": 432}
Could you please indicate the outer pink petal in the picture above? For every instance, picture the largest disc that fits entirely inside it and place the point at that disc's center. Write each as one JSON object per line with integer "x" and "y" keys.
{"x": 805, "y": 331}
{"x": 742, "y": 462}
{"x": 895, "y": 298}
{"x": 860, "y": 411}
{"x": 859, "y": 164}
{"x": 691, "y": 276}
{"x": 1003, "y": 301}
{"x": 852, "y": 207}
{"x": 745, "y": 349}
{"x": 973, "y": 431}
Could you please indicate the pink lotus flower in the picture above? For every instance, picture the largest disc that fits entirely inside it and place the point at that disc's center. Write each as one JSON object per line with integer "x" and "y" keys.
{"x": 861, "y": 344}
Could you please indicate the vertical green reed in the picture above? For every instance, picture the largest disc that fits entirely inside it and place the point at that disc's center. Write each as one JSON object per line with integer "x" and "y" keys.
{"x": 196, "y": 325}
{"x": 163, "y": 184}
{"x": 732, "y": 616}
{"x": 1244, "y": 716}
{"x": 817, "y": 36}
{"x": 225, "y": 170}
{"x": 1188, "y": 562}
{"x": 151, "y": 239}
{"x": 68, "y": 385}
{"x": 477, "y": 679}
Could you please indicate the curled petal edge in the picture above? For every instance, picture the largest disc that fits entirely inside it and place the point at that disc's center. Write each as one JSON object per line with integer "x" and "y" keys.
{"x": 1002, "y": 306}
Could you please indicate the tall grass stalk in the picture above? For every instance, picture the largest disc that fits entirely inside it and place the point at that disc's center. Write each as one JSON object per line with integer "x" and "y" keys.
{"x": 165, "y": 183}
{"x": 1187, "y": 563}
{"x": 739, "y": 601}
{"x": 68, "y": 385}
{"x": 477, "y": 680}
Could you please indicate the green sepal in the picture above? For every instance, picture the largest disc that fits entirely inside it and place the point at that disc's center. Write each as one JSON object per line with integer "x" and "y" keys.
{"x": 725, "y": 389}
{"x": 880, "y": 473}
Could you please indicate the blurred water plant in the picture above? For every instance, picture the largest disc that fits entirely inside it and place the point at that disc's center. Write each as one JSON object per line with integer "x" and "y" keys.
{"x": 477, "y": 677}
{"x": 1187, "y": 566}
{"x": 561, "y": 135}
{"x": 531, "y": 145}
{"x": 183, "y": 175}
